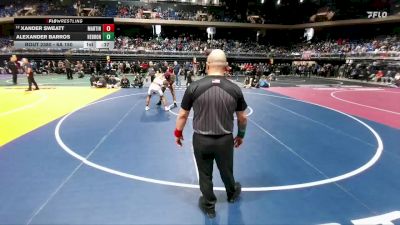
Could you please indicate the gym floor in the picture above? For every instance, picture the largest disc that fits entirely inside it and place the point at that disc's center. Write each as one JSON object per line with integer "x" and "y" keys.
{"x": 317, "y": 151}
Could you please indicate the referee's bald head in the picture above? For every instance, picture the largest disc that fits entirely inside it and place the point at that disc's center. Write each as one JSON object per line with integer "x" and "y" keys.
{"x": 217, "y": 59}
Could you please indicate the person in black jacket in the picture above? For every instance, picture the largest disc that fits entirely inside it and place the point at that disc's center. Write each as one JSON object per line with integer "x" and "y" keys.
{"x": 12, "y": 65}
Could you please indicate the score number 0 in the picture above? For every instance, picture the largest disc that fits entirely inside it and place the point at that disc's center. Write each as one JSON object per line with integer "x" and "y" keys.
{"x": 108, "y": 27}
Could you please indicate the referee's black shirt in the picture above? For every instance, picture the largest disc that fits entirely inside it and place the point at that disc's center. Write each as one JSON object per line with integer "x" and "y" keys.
{"x": 214, "y": 100}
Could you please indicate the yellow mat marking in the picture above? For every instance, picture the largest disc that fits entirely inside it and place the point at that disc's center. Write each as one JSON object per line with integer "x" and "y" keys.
{"x": 12, "y": 103}
{"x": 22, "y": 112}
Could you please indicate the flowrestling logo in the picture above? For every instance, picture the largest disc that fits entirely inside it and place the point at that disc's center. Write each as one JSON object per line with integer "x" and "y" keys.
{"x": 377, "y": 14}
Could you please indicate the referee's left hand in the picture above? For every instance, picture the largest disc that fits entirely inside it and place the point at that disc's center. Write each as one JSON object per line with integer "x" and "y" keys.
{"x": 179, "y": 141}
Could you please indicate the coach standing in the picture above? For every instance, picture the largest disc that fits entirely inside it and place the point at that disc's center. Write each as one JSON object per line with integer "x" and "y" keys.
{"x": 214, "y": 100}
{"x": 29, "y": 74}
{"x": 12, "y": 65}
{"x": 177, "y": 73}
{"x": 68, "y": 69}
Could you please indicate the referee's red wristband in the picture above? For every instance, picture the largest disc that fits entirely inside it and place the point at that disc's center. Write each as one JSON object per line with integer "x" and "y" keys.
{"x": 178, "y": 133}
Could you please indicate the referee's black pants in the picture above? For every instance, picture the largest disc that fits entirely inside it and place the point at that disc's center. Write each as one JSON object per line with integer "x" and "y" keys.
{"x": 14, "y": 78}
{"x": 69, "y": 74}
{"x": 206, "y": 149}
{"x": 31, "y": 80}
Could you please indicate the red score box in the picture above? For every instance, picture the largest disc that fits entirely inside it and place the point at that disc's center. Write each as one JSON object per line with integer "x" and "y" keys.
{"x": 108, "y": 28}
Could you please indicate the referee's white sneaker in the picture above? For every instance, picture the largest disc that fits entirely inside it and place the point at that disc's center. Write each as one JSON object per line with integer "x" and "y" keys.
{"x": 147, "y": 108}
{"x": 166, "y": 108}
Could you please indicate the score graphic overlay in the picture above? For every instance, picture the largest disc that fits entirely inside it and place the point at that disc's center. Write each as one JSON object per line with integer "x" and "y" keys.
{"x": 64, "y": 33}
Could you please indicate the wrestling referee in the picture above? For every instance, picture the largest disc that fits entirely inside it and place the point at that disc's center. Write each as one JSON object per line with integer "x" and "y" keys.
{"x": 29, "y": 74}
{"x": 214, "y": 100}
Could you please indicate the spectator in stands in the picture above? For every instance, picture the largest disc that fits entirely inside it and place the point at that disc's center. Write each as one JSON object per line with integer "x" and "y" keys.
{"x": 79, "y": 69}
{"x": 101, "y": 82}
{"x": 125, "y": 82}
{"x": 264, "y": 82}
{"x": 113, "y": 82}
{"x": 93, "y": 80}
{"x": 388, "y": 77}
{"x": 151, "y": 72}
{"x": 189, "y": 78}
{"x": 397, "y": 79}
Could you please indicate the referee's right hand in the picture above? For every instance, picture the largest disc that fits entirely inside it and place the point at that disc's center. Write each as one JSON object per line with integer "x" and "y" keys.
{"x": 180, "y": 124}
{"x": 238, "y": 141}
{"x": 178, "y": 137}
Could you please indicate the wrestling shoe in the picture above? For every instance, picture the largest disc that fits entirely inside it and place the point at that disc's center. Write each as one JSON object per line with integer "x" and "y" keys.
{"x": 235, "y": 196}
{"x": 209, "y": 212}
{"x": 166, "y": 108}
{"x": 147, "y": 108}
